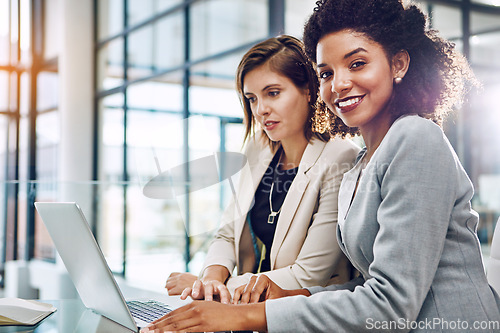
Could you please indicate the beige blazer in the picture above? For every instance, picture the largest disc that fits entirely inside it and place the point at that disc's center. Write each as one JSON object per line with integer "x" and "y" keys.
{"x": 304, "y": 251}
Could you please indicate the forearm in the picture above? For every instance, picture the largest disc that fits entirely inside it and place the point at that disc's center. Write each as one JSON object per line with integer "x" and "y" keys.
{"x": 297, "y": 292}
{"x": 215, "y": 272}
{"x": 250, "y": 317}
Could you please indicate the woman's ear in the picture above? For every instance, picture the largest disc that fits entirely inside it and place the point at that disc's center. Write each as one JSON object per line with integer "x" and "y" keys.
{"x": 308, "y": 95}
{"x": 400, "y": 64}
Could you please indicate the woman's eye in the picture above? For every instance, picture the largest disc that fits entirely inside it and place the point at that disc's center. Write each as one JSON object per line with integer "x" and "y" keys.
{"x": 251, "y": 99}
{"x": 274, "y": 93}
{"x": 324, "y": 75}
{"x": 358, "y": 64}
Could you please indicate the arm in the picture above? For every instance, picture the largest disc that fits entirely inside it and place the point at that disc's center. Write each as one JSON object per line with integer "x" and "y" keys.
{"x": 210, "y": 317}
{"x": 177, "y": 282}
{"x": 417, "y": 180}
{"x": 350, "y": 285}
{"x": 261, "y": 288}
{"x": 210, "y": 285}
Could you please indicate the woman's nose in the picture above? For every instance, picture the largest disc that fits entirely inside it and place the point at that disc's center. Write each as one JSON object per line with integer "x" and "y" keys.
{"x": 263, "y": 109}
{"x": 341, "y": 83}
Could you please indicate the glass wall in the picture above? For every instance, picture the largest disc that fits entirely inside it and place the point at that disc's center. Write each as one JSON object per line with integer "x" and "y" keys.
{"x": 172, "y": 65}
{"x": 165, "y": 98}
{"x": 474, "y": 26}
{"x": 484, "y": 117}
{"x": 28, "y": 123}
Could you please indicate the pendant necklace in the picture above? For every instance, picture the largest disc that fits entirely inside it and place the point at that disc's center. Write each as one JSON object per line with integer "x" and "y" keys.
{"x": 272, "y": 215}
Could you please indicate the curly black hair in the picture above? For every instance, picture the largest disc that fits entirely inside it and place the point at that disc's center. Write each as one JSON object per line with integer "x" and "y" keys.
{"x": 438, "y": 76}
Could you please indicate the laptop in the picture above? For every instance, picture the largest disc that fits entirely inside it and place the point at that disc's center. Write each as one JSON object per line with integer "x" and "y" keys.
{"x": 89, "y": 271}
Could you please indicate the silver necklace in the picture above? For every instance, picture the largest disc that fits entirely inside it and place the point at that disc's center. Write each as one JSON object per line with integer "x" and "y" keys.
{"x": 272, "y": 215}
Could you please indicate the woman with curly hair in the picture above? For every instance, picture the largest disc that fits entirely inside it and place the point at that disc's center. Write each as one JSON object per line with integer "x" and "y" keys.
{"x": 405, "y": 219}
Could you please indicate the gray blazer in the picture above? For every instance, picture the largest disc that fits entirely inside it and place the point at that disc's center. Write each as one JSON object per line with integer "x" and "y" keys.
{"x": 411, "y": 232}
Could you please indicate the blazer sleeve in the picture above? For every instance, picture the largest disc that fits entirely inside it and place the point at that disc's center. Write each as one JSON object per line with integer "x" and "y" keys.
{"x": 349, "y": 285}
{"x": 417, "y": 175}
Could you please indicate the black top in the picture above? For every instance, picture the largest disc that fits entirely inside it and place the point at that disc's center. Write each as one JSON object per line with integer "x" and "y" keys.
{"x": 260, "y": 212}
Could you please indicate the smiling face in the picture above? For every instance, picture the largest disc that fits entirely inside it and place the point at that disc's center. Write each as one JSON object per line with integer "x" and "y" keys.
{"x": 356, "y": 80}
{"x": 280, "y": 107}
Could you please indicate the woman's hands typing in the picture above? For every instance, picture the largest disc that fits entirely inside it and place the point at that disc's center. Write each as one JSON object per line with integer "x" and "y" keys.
{"x": 261, "y": 288}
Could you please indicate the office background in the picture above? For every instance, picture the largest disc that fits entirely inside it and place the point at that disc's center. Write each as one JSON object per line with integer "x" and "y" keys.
{"x": 99, "y": 97}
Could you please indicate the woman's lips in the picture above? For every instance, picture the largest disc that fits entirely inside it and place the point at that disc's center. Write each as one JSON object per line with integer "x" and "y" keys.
{"x": 348, "y": 104}
{"x": 270, "y": 125}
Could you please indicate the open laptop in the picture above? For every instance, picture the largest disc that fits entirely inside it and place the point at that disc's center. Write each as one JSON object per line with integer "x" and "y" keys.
{"x": 89, "y": 271}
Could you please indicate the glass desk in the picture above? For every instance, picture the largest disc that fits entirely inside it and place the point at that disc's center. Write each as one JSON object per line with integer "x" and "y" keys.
{"x": 71, "y": 316}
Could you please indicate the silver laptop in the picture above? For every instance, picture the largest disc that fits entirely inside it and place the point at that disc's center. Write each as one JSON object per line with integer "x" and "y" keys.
{"x": 88, "y": 269}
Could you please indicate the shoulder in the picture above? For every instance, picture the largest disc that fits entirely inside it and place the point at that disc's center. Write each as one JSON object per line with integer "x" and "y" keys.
{"x": 335, "y": 158}
{"x": 340, "y": 150}
{"x": 414, "y": 127}
{"x": 417, "y": 140}
{"x": 414, "y": 133}
{"x": 255, "y": 146}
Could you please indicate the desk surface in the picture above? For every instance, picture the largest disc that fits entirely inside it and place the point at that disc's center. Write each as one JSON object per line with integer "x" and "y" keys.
{"x": 72, "y": 317}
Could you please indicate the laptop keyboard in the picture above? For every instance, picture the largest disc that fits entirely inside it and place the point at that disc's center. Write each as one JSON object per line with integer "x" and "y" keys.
{"x": 148, "y": 310}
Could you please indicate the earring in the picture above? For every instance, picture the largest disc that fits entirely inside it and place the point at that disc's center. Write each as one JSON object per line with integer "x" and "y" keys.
{"x": 320, "y": 122}
{"x": 397, "y": 80}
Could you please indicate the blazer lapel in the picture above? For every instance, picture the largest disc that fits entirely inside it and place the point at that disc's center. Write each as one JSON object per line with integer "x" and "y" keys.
{"x": 295, "y": 194}
{"x": 258, "y": 163}
{"x": 347, "y": 188}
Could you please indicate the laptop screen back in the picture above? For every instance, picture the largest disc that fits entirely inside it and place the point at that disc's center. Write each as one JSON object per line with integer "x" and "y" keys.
{"x": 84, "y": 261}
